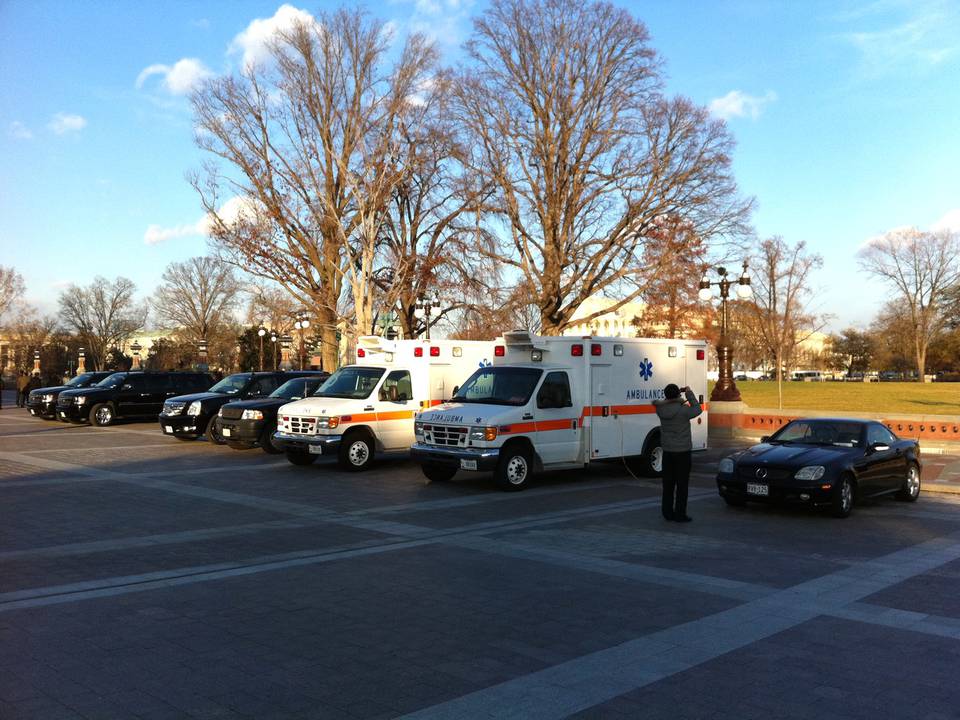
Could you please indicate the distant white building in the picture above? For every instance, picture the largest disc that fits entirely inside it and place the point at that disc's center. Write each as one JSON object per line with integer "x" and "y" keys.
{"x": 616, "y": 323}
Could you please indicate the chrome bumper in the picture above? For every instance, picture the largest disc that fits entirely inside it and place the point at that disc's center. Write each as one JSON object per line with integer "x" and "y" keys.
{"x": 329, "y": 443}
{"x": 486, "y": 458}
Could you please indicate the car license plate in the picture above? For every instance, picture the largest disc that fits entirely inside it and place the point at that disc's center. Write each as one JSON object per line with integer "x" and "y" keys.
{"x": 168, "y": 429}
{"x": 468, "y": 464}
{"x": 316, "y": 449}
{"x": 757, "y": 489}
{"x": 226, "y": 432}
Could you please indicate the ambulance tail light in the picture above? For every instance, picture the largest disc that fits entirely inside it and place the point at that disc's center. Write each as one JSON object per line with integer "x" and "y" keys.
{"x": 361, "y": 353}
{"x": 434, "y": 351}
{"x": 576, "y": 350}
{"x": 596, "y": 349}
{"x": 700, "y": 354}
{"x": 483, "y": 433}
{"x": 499, "y": 351}
{"x": 418, "y": 352}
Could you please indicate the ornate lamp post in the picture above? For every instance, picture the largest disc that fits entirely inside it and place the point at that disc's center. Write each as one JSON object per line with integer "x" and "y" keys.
{"x": 81, "y": 360}
{"x": 302, "y": 323}
{"x": 424, "y": 308}
{"x": 285, "y": 342}
{"x": 36, "y": 362}
{"x": 273, "y": 339}
{"x": 726, "y": 389}
{"x": 261, "y": 331}
{"x": 135, "y": 349}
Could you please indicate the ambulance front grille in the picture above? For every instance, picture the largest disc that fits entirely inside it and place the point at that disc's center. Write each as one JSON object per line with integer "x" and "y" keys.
{"x": 299, "y": 425}
{"x": 446, "y": 435}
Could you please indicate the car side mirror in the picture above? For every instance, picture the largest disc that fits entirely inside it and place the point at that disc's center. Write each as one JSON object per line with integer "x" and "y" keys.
{"x": 765, "y": 439}
{"x": 127, "y": 386}
{"x": 879, "y": 447}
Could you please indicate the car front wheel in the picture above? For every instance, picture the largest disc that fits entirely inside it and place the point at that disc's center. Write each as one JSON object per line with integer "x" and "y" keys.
{"x": 843, "y": 498}
{"x": 911, "y": 484}
{"x": 102, "y": 415}
{"x": 356, "y": 452}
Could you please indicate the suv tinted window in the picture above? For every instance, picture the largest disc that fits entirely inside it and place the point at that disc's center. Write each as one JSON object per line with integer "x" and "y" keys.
{"x": 157, "y": 382}
{"x": 136, "y": 382}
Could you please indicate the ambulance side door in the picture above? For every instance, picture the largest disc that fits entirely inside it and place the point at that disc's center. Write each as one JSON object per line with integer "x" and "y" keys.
{"x": 395, "y": 408}
{"x": 558, "y": 431}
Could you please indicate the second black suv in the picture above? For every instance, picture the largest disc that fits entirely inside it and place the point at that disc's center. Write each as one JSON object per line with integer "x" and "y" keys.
{"x": 245, "y": 424}
{"x": 42, "y": 402}
{"x": 187, "y": 417}
{"x": 127, "y": 395}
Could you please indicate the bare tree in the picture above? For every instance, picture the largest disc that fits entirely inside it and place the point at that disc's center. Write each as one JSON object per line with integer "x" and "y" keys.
{"x": 197, "y": 297}
{"x": 922, "y": 268}
{"x": 11, "y": 288}
{"x": 783, "y": 317}
{"x": 103, "y": 314}
{"x": 309, "y": 141}
{"x": 564, "y": 100}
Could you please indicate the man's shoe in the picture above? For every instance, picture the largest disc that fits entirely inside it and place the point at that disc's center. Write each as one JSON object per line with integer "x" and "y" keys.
{"x": 684, "y": 518}
{"x": 668, "y": 517}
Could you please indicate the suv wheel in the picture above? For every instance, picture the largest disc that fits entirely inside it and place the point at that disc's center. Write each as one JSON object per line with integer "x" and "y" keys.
{"x": 266, "y": 442}
{"x": 102, "y": 415}
{"x": 356, "y": 452}
{"x": 213, "y": 433}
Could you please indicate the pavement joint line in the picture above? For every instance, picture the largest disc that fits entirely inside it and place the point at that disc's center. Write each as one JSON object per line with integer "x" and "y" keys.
{"x": 56, "y": 595}
{"x": 33, "y": 597}
{"x": 919, "y": 622}
{"x": 650, "y": 574}
{"x": 589, "y": 680}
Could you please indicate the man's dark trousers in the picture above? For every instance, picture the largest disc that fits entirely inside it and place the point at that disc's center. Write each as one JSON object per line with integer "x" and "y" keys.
{"x": 676, "y": 480}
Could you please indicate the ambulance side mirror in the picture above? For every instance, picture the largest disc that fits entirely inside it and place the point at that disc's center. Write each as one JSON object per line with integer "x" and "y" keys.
{"x": 456, "y": 389}
{"x": 701, "y": 399}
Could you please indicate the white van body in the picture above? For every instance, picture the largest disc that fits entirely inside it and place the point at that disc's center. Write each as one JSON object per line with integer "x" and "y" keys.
{"x": 607, "y": 413}
{"x": 389, "y": 383}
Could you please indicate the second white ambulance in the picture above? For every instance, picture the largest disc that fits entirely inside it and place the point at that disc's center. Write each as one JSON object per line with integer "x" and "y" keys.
{"x": 368, "y": 408}
{"x": 560, "y": 402}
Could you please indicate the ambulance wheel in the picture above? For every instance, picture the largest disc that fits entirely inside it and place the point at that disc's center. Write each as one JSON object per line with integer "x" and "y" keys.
{"x": 300, "y": 458}
{"x": 356, "y": 452}
{"x": 651, "y": 463}
{"x": 439, "y": 473}
{"x": 515, "y": 468}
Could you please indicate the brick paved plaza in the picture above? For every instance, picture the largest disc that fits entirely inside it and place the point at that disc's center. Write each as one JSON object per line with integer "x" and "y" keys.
{"x": 142, "y": 577}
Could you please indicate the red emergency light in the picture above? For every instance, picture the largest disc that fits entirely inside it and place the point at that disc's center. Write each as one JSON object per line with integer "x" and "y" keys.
{"x": 499, "y": 351}
{"x": 361, "y": 353}
{"x": 434, "y": 351}
{"x": 700, "y": 354}
{"x": 576, "y": 350}
{"x": 596, "y": 349}
{"x": 418, "y": 352}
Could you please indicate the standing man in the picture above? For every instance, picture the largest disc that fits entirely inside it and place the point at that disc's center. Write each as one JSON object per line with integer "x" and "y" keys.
{"x": 22, "y": 382}
{"x": 675, "y": 413}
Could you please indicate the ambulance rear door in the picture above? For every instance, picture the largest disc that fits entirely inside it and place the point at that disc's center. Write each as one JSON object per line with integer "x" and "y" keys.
{"x": 695, "y": 374}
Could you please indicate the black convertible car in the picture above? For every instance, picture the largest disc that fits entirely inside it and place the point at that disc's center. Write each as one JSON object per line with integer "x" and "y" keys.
{"x": 828, "y": 462}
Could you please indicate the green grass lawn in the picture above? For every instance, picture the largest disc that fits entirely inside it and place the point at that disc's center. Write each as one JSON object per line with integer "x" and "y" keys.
{"x": 886, "y": 397}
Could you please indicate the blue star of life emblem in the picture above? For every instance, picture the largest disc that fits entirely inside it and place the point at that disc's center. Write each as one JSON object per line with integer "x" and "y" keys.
{"x": 646, "y": 369}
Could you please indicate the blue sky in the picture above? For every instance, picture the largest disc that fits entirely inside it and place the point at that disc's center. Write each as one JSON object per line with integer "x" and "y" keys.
{"x": 846, "y": 116}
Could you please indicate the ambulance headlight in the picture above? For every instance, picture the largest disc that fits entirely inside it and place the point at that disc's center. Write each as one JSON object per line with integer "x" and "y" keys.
{"x": 328, "y": 423}
{"x": 483, "y": 433}
{"x": 418, "y": 430}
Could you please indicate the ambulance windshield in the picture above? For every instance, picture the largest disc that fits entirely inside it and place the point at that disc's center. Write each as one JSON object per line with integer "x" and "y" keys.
{"x": 352, "y": 382}
{"x": 499, "y": 386}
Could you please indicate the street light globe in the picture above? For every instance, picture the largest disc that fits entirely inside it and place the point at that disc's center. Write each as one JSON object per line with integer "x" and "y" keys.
{"x": 705, "y": 294}
{"x": 297, "y": 325}
{"x": 305, "y": 324}
{"x": 744, "y": 291}
{"x": 419, "y": 313}
{"x": 261, "y": 332}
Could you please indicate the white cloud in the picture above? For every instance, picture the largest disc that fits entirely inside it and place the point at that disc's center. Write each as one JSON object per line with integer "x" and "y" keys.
{"x": 254, "y": 41}
{"x": 180, "y": 78}
{"x": 234, "y": 209}
{"x": 18, "y": 130}
{"x": 950, "y": 221}
{"x": 63, "y": 123}
{"x": 442, "y": 21}
{"x": 907, "y": 35}
{"x": 739, "y": 104}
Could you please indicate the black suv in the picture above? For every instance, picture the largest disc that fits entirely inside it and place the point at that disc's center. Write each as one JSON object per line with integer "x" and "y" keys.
{"x": 247, "y": 423}
{"x": 127, "y": 395}
{"x": 187, "y": 417}
{"x": 42, "y": 402}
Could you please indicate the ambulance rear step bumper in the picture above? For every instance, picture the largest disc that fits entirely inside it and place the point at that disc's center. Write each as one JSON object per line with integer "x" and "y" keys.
{"x": 486, "y": 458}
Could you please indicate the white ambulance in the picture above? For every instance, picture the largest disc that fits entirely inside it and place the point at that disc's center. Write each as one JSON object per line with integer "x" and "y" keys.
{"x": 368, "y": 408}
{"x": 560, "y": 402}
